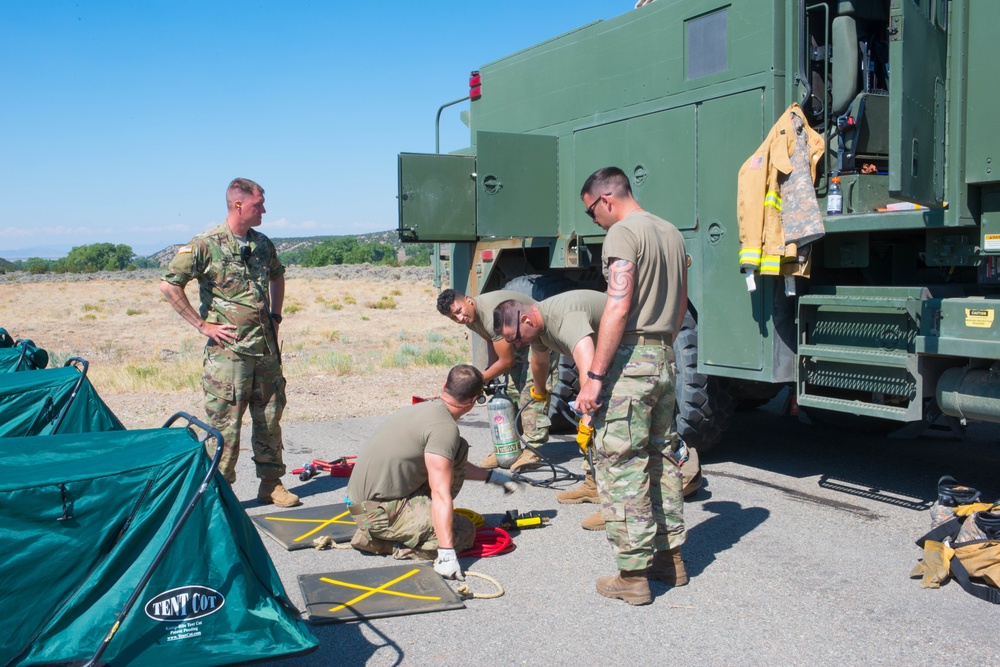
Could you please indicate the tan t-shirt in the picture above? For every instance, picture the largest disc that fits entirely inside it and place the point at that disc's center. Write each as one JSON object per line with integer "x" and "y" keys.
{"x": 569, "y": 318}
{"x": 485, "y": 305}
{"x": 656, "y": 248}
{"x": 392, "y": 464}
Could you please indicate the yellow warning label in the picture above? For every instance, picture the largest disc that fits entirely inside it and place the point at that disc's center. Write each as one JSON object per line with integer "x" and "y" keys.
{"x": 991, "y": 242}
{"x": 979, "y": 317}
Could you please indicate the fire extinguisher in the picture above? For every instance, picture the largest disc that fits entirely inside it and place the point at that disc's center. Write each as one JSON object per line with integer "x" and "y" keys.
{"x": 506, "y": 444}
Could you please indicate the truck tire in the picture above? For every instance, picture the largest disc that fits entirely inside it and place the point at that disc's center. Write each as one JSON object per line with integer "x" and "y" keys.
{"x": 540, "y": 287}
{"x": 704, "y": 405}
{"x": 565, "y": 387}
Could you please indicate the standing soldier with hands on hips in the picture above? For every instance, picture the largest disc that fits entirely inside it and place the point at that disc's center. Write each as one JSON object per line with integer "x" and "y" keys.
{"x": 242, "y": 287}
{"x": 629, "y": 389}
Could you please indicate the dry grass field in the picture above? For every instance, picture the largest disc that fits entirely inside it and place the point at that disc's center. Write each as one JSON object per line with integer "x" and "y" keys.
{"x": 352, "y": 346}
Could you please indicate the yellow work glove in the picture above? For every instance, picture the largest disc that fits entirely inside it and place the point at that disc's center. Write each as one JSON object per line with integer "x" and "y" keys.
{"x": 584, "y": 436}
{"x": 541, "y": 399}
{"x": 934, "y": 568}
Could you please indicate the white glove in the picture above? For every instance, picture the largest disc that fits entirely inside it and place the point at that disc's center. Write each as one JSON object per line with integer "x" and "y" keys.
{"x": 502, "y": 479}
{"x": 447, "y": 565}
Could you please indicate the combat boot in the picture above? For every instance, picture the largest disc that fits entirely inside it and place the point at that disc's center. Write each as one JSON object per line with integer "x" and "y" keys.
{"x": 272, "y": 491}
{"x": 593, "y": 522}
{"x": 630, "y": 586}
{"x": 668, "y": 567}
{"x": 584, "y": 493}
{"x": 490, "y": 462}
{"x": 526, "y": 457}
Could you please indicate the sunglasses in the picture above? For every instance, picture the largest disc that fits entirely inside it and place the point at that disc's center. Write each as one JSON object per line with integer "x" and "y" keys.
{"x": 590, "y": 209}
{"x": 517, "y": 332}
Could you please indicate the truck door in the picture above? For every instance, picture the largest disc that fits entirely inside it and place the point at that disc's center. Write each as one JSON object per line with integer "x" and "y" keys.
{"x": 917, "y": 49}
{"x": 437, "y": 198}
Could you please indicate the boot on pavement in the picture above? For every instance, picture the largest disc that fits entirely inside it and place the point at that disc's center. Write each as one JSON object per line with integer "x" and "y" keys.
{"x": 593, "y": 522}
{"x": 668, "y": 567}
{"x": 630, "y": 586}
{"x": 272, "y": 491}
{"x": 490, "y": 462}
{"x": 582, "y": 493}
{"x": 526, "y": 457}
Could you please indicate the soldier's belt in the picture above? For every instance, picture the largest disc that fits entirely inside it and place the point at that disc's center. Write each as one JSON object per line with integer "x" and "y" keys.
{"x": 645, "y": 339}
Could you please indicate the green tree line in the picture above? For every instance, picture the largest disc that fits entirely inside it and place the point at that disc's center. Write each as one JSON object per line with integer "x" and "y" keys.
{"x": 84, "y": 259}
{"x": 111, "y": 257}
{"x": 348, "y": 250}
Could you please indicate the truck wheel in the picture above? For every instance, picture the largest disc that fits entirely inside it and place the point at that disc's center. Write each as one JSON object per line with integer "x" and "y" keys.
{"x": 704, "y": 404}
{"x": 565, "y": 387}
{"x": 540, "y": 287}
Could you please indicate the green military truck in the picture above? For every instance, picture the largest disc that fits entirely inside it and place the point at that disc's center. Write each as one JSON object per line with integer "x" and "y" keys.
{"x": 897, "y": 319}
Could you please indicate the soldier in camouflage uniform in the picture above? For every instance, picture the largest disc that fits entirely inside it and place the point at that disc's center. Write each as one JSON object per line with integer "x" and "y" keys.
{"x": 242, "y": 285}
{"x": 476, "y": 313}
{"x": 629, "y": 389}
{"x": 405, "y": 479}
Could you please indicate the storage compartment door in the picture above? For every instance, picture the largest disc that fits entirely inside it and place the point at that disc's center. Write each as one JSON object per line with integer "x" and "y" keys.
{"x": 437, "y": 198}
{"x": 518, "y": 185}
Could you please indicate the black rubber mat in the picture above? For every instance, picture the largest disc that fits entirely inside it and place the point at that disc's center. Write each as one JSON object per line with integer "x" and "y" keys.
{"x": 398, "y": 590}
{"x": 296, "y": 529}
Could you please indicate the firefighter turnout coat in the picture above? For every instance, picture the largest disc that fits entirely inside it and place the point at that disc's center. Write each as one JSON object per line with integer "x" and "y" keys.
{"x": 776, "y": 206}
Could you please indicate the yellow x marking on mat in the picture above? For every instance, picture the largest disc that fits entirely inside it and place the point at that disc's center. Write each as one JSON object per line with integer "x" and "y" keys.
{"x": 323, "y": 523}
{"x": 380, "y": 589}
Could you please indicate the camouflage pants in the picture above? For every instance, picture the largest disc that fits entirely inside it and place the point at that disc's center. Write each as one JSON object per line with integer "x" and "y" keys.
{"x": 637, "y": 480}
{"x": 408, "y": 522}
{"x": 232, "y": 383}
{"x": 535, "y": 421}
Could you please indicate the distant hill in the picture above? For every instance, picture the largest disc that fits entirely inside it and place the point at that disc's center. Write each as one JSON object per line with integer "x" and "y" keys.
{"x": 163, "y": 257}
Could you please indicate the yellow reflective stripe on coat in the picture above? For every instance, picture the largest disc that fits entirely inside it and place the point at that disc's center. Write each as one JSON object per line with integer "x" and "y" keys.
{"x": 749, "y": 257}
{"x": 770, "y": 265}
{"x": 772, "y": 199}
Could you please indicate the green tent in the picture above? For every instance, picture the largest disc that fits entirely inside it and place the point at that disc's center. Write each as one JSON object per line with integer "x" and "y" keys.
{"x": 133, "y": 530}
{"x": 23, "y": 355}
{"x": 53, "y": 400}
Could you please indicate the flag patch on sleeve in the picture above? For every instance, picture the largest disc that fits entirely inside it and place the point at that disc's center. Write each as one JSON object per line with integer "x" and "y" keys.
{"x": 756, "y": 162}
{"x": 184, "y": 249}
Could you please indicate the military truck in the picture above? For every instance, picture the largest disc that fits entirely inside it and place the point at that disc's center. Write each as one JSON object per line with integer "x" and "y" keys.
{"x": 896, "y": 320}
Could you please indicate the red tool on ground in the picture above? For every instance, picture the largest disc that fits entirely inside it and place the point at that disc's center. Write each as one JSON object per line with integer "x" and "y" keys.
{"x": 341, "y": 467}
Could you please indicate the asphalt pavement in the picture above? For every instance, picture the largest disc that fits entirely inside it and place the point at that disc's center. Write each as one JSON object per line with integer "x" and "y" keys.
{"x": 799, "y": 546}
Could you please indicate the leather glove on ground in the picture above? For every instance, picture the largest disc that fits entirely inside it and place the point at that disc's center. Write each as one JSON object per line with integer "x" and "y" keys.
{"x": 584, "y": 436}
{"x": 502, "y": 479}
{"x": 447, "y": 565}
{"x": 934, "y": 568}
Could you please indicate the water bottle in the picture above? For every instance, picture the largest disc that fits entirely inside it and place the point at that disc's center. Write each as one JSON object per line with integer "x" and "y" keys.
{"x": 834, "y": 198}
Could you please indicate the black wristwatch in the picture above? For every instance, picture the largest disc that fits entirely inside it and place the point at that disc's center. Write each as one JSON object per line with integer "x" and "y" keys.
{"x": 276, "y": 317}
{"x": 595, "y": 376}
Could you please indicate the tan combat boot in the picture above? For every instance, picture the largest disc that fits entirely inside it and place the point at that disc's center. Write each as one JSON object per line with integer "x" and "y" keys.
{"x": 593, "y": 522}
{"x": 584, "y": 493}
{"x": 490, "y": 462}
{"x": 668, "y": 567}
{"x": 632, "y": 587}
{"x": 272, "y": 491}
{"x": 526, "y": 457}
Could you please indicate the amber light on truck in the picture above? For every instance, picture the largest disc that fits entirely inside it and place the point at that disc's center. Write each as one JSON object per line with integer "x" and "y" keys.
{"x": 475, "y": 85}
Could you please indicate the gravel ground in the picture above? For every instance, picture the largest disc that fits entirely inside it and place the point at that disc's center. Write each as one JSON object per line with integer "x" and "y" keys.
{"x": 787, "y": 567}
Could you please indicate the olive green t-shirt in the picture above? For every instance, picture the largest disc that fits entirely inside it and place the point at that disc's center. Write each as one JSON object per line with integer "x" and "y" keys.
{"x": 392, "y": 464}
{"x": 568, "y": 318}
{"x": 656, "y": 248}
{"x": 486, "y": 304}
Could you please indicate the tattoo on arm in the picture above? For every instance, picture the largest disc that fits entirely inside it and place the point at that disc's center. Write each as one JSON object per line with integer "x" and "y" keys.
{"x": 621, "y": 279}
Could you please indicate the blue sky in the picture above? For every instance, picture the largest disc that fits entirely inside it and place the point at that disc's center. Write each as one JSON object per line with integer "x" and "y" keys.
{"x": 123, "y": 121}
